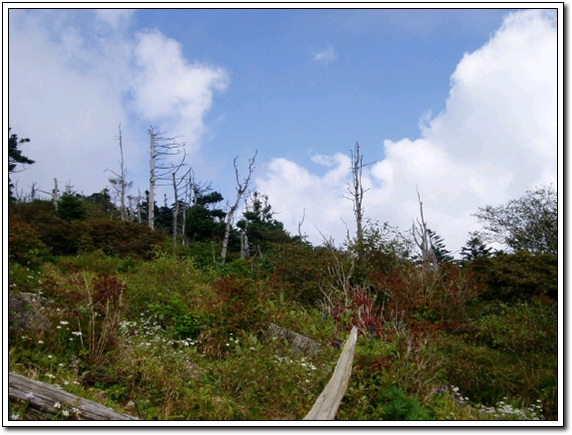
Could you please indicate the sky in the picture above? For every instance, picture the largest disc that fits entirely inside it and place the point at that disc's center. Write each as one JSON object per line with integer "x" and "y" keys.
{"x": 460, "y": 105}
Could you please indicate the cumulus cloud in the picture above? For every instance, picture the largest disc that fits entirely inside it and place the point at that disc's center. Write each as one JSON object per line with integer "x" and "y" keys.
{"x": 325, "y": 56}
{"x": 495, "y": 139}
{"x": 75, "y": 75}
{"x": 171, "y": 91}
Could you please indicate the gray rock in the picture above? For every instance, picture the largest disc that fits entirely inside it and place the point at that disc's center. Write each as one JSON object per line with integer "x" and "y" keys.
{"x": 24, "y": 312}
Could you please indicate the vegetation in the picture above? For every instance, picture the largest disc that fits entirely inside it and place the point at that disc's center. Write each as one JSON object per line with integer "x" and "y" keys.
{"x": 176, "y": 333}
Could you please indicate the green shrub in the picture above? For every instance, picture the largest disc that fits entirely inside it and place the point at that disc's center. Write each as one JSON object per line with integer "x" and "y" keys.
{"x": 397, "y": 405}
{"x": 298, "y": 272}
{"x": 519, "y": 276}
{"x": 522, "y": 328}
{"x": 24, "y": 243}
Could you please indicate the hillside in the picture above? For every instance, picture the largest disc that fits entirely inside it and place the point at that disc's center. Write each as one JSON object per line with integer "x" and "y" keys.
{"x": 180, "y": 335}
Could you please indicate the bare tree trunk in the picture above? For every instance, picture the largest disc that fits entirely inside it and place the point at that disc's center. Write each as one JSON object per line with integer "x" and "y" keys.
{"x": 241, "y": 188}
{"x": 152, "y": 179}
{"x": 122, "y": 182}
{"x": 161, "y": 147}
{"x": 55, "y": 194}
{"x": 244, "y": 252}
{"x": 422, "y": 240}
{"x": 356, "y": 192}
{"x": 175, "y": 213}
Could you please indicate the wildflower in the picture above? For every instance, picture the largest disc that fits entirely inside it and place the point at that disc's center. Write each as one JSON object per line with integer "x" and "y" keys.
{"x": 15, "y": 416}
{"x": 65, "y": 413}
{"x": 57, "y": 405}
{"x": 336, "y": 344}
{"x": 40, "y": 341}
{"x": 49, "y": 375}
{"x": 75, "y": 410}
{"x": 30, "y": 396}
{"x": 50, "y": 356}
{"x": 63, "y": 322}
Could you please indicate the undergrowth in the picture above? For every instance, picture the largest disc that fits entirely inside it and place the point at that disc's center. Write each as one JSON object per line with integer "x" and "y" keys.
{"x": 168, "y": 339}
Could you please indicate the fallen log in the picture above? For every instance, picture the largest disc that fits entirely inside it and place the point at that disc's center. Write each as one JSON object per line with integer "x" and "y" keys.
{"x": 45, "y": 401}
{"x": 327, "y": 405}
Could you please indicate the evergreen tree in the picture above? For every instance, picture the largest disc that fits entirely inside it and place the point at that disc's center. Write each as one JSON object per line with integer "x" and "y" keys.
{"x": 258, "y": 225}
{"x": 475, "y": 248}
{"x": 71, "y": 206}
{"x": 15, "y": 158}
{"x": 437, "y": 244}
{"x": 205, "y": 222}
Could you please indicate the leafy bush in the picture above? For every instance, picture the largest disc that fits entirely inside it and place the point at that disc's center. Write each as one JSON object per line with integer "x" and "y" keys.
{"x": 522, "y": 328}
{"x": 24, "y": 244}
{"x": 418, "y": 293}
{"x": 519, "y": 276}
{"x": 298, "y": 272}
{"x": 122, "y": 238}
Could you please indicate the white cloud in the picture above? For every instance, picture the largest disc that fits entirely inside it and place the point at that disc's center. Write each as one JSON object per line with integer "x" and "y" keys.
{"x": 115, "y": 17}
{"x": 75, "y": 75}
{"x": 326, "y": 56}
{"x": 495, "y": 139}
{"x": 171, "y": 91}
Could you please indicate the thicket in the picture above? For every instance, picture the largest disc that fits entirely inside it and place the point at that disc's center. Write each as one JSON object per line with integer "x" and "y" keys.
{"x": 179, "y": 334}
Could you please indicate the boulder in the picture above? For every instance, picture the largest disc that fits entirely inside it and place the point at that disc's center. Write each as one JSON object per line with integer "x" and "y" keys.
{"x": 24, "y": 312}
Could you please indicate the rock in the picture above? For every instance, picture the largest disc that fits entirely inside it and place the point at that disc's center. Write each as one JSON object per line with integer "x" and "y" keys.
{"x": 298, "y": 342}
{"x": 24, "y": 313}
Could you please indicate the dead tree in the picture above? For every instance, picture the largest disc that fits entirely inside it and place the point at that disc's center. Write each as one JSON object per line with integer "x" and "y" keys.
{"x": 241, "y": 187}
{"x": 177, "y": 184}
{"x": 55, "y": 194}
{"x": 161, "y": 147}
{"x": 422, "y": 238}
{"x": 356, "y": 192}
{"x": 120, "y": 183}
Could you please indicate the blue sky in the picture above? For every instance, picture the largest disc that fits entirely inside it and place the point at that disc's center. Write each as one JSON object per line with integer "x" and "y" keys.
{"x": 459, "y": 103}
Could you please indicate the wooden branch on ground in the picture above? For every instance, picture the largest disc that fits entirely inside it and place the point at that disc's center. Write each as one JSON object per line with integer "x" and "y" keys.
{"x": 42, "y": 397}
{"x": 328, "y": 403}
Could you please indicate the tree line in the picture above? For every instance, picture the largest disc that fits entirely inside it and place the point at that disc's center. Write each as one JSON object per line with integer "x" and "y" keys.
{"x": 197, "y": 214}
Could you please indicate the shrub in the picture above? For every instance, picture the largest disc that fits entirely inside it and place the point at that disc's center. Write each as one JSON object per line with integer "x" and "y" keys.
{"x": 522, "y": 328}
{"x": 240, "y": 303}
{"x": 416, "y": 293}
{"x": 298, "y": 272}
{"x": 24, "y": 244}
{"x": 122, "y": 238}
{"x": 519, "y": 276}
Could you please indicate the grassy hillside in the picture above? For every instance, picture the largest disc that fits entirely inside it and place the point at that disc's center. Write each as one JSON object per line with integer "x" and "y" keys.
{"x": 182, "y": 336}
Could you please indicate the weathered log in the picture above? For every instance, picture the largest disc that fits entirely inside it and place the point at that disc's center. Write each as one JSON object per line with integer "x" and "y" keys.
{"x": 298, "y": 342}
{"x": 46, "y": 401}
{"x": 327, "y": 405}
